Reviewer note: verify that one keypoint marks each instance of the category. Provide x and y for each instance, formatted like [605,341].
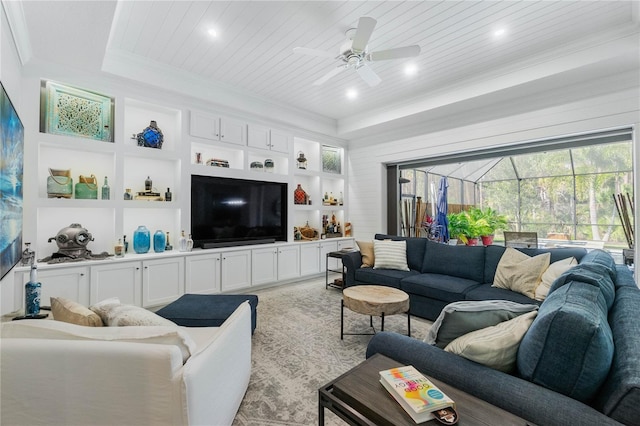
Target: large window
[562,190]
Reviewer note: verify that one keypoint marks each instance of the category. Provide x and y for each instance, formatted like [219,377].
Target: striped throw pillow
[390,255]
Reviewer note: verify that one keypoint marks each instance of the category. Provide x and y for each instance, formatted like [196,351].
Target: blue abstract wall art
[11,169]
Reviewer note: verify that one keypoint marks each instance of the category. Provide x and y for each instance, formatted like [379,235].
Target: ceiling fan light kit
[354,55]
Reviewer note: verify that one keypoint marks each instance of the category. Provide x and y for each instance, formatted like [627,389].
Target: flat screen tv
[228,212]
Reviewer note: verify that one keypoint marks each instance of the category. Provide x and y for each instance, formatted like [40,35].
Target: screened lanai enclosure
[568,191]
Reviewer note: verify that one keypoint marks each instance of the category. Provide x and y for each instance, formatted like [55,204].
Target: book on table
[419,397]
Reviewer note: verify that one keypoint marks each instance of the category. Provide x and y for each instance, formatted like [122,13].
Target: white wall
[10,77]
[367,181]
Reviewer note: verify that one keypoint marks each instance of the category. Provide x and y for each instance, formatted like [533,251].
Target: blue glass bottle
[141,240]
[159,241]
[32,294]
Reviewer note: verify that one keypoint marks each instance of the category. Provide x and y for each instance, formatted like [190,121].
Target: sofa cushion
[495,346]
[388,277]
[569,347]
[439,287]
[552,273]
[70,311]
[415,249]
[38,329]
[456,261]
[486,292]
[494,253]
[366,250]
[588,273]
[619,396]
[519,272]
[460,318]
[390,255]
[601,257]
[115,314]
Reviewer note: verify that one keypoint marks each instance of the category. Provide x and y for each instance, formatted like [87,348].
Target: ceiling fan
[354,54]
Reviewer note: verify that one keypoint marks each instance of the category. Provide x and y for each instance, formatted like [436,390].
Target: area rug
[297,349]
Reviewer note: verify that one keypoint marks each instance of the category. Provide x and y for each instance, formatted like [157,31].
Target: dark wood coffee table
[358,398]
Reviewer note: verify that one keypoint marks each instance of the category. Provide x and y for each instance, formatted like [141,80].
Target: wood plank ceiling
[253,50]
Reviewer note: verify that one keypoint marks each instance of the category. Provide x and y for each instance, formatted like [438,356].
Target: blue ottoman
[207,310]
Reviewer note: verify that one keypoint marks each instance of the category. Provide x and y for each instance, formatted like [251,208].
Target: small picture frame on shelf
[70,111]
[331,159]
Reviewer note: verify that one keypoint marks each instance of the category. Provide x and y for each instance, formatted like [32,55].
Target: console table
[358,398]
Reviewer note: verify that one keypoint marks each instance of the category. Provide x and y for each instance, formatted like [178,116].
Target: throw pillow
[113,313]
[70,311]
[459,318]
[366,250]
[519,272]
[551,274]
[390,255]
[66,331]
[496,346]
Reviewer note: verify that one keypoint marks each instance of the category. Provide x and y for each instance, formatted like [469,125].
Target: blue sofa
[578,364]
[441,274]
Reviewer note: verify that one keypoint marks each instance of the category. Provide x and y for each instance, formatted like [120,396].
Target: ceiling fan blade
[363,33]
[397,53]
[330,74]
[368,75]
[313,52]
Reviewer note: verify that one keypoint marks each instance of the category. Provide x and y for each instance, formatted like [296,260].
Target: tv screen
[227,211]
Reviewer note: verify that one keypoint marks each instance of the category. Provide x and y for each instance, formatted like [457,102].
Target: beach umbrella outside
[442,207]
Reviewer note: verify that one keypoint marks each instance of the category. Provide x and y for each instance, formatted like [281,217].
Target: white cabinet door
[288,262]
[162,280]
[121,280]
[202,273]
[236,270]
[327,247]
[233,131]
[264,266]
[204,125]
[258,136]
[279,141]
[310,259]
[69,283]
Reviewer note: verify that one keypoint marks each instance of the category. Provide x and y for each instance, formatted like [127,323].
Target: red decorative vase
[299,195]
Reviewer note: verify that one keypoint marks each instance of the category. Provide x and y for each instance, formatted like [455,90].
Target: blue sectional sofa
[440,274]
[578,363]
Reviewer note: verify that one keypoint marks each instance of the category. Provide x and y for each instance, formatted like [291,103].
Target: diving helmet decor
[72,245]
[301,161]
[151,137]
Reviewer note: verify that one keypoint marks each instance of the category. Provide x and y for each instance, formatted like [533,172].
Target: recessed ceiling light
[411,69]
[499,32]
[212,32]
[352,94]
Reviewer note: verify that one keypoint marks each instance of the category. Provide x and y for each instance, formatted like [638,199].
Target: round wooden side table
[374,300]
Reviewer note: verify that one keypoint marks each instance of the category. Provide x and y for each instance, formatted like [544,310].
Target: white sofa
[54,381]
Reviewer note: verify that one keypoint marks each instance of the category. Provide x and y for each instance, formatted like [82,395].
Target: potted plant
[458,227]
[476,226]
[487,221]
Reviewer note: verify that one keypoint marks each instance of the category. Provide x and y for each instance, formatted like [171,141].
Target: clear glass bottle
[106,191]
[182,242]
[118,249]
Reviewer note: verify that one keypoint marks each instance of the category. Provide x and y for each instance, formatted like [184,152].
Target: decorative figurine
[301,161]
[72,246]
[151,137]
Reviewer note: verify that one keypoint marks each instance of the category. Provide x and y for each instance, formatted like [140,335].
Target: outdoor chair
[521,239]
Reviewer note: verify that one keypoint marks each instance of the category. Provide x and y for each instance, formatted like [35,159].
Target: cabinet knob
[222,136]
[137,268]
[82,274]
[146,267]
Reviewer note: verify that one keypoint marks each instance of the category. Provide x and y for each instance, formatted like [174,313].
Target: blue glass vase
[141,240]
[159,241]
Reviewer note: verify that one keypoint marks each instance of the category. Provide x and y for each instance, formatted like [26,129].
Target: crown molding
[18,27]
